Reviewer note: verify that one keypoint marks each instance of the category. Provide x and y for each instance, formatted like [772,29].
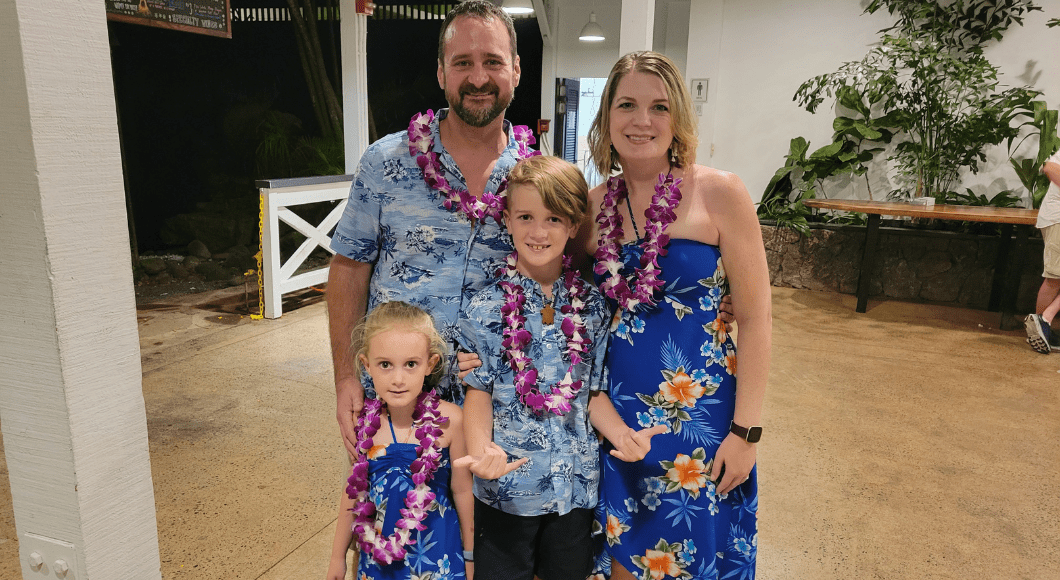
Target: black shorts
[551,546]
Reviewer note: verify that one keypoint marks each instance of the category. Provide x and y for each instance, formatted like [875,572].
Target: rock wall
[911,264]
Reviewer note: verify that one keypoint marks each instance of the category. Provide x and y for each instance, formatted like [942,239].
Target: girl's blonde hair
[561,184]
[391,315]
[682,119]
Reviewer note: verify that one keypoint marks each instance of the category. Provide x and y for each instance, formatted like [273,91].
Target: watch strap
[749,434]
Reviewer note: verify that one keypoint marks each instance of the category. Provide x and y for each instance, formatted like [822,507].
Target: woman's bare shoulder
[717,179]
[596,195]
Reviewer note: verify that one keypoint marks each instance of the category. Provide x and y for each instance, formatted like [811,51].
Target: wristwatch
[748,434]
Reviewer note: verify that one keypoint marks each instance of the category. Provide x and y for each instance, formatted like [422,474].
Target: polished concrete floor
[912,441]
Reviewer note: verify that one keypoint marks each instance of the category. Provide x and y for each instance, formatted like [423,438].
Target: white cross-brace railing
[277,196]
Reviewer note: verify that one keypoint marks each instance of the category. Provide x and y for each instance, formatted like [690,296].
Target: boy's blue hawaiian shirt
[564,468]
[423,253]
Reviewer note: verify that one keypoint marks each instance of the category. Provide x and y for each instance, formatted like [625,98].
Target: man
[396,239]
[1039,333]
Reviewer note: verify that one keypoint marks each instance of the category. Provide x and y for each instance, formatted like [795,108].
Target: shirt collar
[532,288]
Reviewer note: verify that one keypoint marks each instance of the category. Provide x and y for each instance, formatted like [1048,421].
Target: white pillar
[353,31]
[704,54]
[549,55]
[71,404]
[638,26]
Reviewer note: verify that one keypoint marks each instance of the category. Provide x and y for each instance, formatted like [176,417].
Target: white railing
[277,196]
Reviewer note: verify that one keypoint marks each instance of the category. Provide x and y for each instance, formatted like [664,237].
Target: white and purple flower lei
[516,337]
[388,549]
[421,145]
[659,215]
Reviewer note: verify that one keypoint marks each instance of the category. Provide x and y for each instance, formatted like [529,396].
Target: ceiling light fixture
[591,32]
[518,7]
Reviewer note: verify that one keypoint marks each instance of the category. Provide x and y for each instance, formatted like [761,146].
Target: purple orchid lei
[421,146]
[516,337]
[388,549]
[659,215]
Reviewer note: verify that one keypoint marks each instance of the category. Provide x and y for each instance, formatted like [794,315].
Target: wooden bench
[1003,289]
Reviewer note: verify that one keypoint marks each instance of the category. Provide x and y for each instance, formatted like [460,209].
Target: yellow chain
[261,249]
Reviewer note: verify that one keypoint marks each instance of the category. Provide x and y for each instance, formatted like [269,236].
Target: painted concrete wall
[71,406]
[671,31]
[576,59]
[756,53]
[769,47]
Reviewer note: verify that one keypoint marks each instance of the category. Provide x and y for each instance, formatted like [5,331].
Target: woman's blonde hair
[400,315]
[562,186]
[682,119]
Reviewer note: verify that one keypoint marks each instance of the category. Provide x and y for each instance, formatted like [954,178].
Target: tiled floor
[911,441]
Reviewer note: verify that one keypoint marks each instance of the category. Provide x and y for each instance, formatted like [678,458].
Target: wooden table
[1003,289]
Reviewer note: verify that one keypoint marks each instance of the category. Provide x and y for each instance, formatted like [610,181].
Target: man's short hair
[476,9]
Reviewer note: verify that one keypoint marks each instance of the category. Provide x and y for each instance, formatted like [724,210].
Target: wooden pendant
[548,314]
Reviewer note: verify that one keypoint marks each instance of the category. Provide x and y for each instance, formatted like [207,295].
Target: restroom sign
[699,90]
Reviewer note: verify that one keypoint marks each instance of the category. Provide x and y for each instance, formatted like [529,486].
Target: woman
[689,508]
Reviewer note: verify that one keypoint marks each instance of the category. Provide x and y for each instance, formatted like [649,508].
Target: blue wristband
[469,555]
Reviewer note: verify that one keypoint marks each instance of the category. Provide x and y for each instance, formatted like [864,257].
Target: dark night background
[191,106]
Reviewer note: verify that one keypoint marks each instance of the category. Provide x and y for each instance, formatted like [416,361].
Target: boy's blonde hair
[393,315]
[562,186]
[683,122]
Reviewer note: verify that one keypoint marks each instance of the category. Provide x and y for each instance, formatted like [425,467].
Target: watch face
[754,434]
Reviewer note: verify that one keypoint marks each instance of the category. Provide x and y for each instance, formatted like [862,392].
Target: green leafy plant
[925,93]
[283,151]
[1001,199]
[1043,122]
[782,202]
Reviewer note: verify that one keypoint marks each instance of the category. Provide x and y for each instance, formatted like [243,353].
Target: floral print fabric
[564,468]
[423,253]
[438,553]
[674,364]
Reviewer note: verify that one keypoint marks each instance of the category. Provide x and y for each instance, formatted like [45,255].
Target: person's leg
[504,544]
[1039,333]
[1049,299]
[566,546]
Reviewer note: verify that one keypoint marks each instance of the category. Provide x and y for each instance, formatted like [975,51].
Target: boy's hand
[468,361]
[634,445]
[725,312]
[492,464]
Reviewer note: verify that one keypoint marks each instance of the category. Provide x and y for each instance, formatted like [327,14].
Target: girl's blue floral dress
[438,551]
[674,364]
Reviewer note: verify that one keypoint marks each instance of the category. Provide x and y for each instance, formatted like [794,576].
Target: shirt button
[548,346]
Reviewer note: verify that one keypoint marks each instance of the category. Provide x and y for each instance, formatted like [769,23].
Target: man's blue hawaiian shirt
[564,468]
[422,253]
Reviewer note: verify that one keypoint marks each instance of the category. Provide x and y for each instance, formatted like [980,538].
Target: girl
[398,504]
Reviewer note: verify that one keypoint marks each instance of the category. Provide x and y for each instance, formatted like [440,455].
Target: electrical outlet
[48,558]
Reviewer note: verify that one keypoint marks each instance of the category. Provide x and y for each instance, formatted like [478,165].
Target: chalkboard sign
[213,17]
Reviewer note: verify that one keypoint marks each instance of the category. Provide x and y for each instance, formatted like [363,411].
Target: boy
[541,334]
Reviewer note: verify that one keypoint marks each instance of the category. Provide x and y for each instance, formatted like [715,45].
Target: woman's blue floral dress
[438,551]
[674,364]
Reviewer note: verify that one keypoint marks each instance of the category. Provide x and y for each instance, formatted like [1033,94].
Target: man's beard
[478,117]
